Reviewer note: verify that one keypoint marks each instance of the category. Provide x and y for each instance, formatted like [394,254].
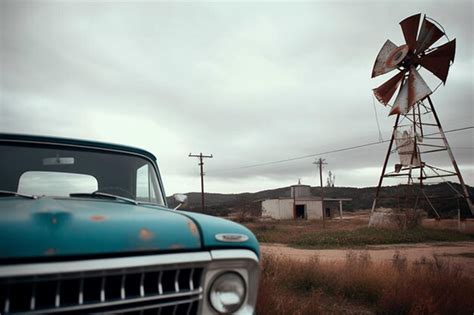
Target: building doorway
[300,211]
[327,212]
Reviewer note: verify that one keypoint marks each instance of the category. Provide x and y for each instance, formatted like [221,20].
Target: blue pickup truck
[85,228]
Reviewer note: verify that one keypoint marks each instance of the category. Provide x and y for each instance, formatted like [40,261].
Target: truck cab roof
[6,137]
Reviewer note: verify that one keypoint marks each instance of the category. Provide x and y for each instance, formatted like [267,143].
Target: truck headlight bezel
[226,287]
[243,262]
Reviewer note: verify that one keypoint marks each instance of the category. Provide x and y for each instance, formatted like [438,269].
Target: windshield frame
[89,146]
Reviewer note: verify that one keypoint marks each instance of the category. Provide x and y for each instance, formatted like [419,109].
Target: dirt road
[460,253]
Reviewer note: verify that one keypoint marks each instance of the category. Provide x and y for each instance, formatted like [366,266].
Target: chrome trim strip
[33,297]
[233,254]
[57,297]
[161,306]
[190,306]
[98,264]
[127,309]
[6,307]
[160,286]
[194,295]
[122,286]
[191,283]
[102,289]
[176,281]
[142,288]
[81,290]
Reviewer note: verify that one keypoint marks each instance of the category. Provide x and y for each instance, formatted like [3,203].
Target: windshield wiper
[98,194]
[5,193]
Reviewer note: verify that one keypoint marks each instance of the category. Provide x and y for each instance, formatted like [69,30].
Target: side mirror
[180,198]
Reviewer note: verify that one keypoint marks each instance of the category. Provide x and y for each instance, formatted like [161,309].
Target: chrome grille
[142,290]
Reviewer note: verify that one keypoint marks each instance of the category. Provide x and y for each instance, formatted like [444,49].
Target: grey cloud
[249,82]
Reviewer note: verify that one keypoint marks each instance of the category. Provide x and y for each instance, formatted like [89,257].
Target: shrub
[358,285]
[375,236]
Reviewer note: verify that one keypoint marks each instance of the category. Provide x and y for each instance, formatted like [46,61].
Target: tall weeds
[429,286]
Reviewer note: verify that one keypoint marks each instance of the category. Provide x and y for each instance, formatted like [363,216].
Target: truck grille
[143,290]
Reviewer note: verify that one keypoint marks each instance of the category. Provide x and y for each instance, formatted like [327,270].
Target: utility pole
[320,162]
[201,164]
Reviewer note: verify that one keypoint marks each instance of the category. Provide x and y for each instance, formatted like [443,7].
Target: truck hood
[212,226]
[69,227]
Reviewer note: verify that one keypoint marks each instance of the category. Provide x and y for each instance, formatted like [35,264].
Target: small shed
[290,208]
[302,205]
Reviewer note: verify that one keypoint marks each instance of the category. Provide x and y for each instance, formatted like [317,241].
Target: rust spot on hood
[193,228]
[176,246]
[145,234]
[97,218]
[50,252]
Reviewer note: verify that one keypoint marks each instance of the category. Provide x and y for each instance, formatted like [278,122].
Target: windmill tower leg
[453,160]
[387,157]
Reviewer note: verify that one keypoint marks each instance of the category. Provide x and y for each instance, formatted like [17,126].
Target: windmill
[417,132]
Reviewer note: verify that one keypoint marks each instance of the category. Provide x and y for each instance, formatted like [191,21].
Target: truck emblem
[232,237]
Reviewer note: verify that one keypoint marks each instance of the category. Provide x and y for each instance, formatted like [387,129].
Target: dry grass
[286,231]
[466,225]
[349,233]
[365,236]
[357,286]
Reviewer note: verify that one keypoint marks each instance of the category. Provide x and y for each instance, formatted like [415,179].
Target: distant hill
[441,196]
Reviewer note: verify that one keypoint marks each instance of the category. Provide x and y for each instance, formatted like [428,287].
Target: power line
[326,152]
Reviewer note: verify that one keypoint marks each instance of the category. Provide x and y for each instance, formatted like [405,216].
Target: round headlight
[227,293]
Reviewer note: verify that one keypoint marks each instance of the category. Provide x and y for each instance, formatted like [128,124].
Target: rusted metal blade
[384,93]
[380,66]
[439,60]
[410,30]
[429,34]
[414,89]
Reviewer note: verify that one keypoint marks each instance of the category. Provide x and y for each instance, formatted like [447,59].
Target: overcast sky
[249,82]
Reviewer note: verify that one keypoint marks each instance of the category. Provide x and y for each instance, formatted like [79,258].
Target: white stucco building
[301,205]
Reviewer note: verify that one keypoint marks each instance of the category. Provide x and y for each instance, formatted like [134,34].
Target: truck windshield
[61,171]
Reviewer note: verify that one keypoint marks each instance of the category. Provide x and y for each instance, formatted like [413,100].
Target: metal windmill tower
[417,133]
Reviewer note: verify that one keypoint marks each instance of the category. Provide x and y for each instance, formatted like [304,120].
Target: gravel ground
[459,253]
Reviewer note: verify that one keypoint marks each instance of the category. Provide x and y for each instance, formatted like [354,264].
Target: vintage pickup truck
[85,228]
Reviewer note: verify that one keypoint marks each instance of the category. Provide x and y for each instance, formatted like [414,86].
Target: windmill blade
[429,34]
[410,30]
[413,90]
[384,93]
[380,66]
[439,60]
